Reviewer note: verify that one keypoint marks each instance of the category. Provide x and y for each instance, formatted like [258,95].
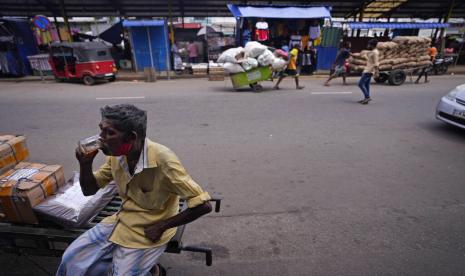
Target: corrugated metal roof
[358,25]
[210,8]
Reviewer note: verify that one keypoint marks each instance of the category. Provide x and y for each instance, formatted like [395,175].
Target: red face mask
[124,149]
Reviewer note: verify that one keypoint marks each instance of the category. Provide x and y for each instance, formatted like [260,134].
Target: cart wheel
[58,79]
[88,80]
[257,88]
[397,77]
[112,79]
[382,78]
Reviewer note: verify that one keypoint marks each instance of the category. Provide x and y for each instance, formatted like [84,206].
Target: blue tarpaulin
[296,12]
[362,25]
[143,23]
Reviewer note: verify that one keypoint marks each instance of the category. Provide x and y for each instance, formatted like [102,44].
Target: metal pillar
[65,17]
[446,19]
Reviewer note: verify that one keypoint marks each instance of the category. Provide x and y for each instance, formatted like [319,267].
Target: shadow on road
[444,130]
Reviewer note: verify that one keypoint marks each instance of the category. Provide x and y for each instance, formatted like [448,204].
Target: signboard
[41,22]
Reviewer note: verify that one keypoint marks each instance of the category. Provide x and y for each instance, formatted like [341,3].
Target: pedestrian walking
[291,69]
[432,51]
[193,51]
[338,68]
[372,69]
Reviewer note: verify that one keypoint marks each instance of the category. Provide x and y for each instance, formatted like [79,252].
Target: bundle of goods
[25,186]
[200,69]
[253,55]
[70,208]
[403,52]
[13,150]
[215,72]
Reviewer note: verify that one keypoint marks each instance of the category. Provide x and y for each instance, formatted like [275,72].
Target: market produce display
[403,52]
[253,55]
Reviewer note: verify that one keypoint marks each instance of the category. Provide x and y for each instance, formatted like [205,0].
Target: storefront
[285,26]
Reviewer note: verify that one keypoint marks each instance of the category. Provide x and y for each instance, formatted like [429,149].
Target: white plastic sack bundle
[249,64]
[70,208]
[279,64]
[266,58]
[230,55]
[232,68]
[253,49]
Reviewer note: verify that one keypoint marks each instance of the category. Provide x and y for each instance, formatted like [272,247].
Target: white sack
[230,55]
[70,208]
[253,49]
[249,64]
[232,68]
[279,64]
[266,58]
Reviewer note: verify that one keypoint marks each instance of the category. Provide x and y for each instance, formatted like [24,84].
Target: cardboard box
[25,186]
[13,150]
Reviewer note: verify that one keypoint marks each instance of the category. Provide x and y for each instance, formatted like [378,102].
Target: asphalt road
[313,182]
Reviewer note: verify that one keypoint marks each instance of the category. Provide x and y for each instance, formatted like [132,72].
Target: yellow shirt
[293,59]
[150,195]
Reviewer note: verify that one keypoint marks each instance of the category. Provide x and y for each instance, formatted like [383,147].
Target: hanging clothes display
[246,36]
[314,32]
[295,39]
[262,32]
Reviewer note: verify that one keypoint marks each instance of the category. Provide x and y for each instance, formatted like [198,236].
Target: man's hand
[83,158]
[155,231]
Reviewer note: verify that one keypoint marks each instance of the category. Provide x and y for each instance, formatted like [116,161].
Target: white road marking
[330,93]
[120,98]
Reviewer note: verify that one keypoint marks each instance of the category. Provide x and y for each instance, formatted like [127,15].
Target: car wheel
[397,77]
[88,80]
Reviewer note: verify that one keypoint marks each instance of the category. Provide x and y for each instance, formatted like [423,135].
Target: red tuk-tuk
[86,61]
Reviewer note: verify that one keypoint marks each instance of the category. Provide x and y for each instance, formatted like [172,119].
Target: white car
[451,107]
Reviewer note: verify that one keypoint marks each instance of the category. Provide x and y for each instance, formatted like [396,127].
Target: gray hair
[126,118]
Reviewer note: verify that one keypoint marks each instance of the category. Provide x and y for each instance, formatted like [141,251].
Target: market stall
[282,27]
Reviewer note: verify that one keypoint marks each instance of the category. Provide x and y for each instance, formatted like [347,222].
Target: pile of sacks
[403,52]
[254,54]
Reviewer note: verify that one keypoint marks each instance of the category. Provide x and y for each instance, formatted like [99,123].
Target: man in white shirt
[372,69]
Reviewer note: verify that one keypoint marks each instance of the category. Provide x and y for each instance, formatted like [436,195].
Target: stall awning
[143,23]
[361,25]
[295,12]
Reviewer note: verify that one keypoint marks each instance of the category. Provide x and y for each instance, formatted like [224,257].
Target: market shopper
[432,52]
[291,69]
[372,69]
[338,67]
[193,52]
[150,180]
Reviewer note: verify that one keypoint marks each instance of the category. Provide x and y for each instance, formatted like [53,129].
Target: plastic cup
[90,144]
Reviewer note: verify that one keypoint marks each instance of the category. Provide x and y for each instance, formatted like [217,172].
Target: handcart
[50,239]
[251,78]
[398,76]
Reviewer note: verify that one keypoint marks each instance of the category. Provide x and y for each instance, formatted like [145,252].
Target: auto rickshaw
[86,61]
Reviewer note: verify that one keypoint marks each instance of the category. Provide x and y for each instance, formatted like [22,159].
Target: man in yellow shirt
[150,180]
[291,69]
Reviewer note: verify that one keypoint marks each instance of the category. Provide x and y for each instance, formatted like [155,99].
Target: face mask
[124,149]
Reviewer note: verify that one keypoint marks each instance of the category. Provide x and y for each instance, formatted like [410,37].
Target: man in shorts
[339,64]
[291,69]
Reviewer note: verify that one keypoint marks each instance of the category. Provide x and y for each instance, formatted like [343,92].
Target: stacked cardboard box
[13,150]
[25,186]
[200,69]
[216,73]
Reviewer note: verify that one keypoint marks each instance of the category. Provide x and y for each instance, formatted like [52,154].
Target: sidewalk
[139,76]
